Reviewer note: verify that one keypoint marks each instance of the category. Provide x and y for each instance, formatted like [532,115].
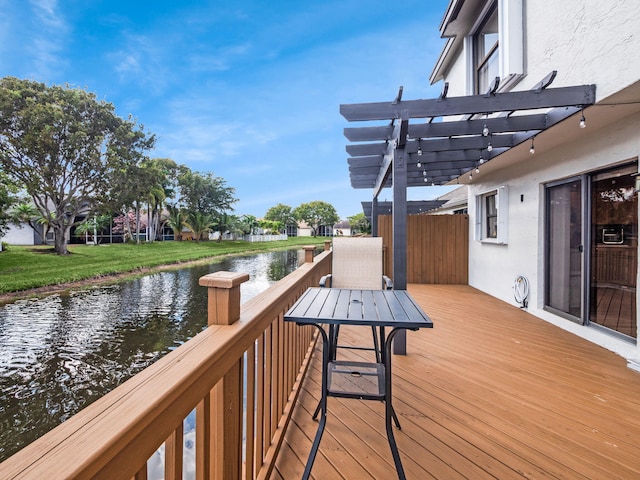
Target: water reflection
[60,353]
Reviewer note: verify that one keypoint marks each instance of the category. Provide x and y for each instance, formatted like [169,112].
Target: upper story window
[494,47]
[486,52]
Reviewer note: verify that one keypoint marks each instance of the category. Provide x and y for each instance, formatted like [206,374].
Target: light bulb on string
[419,147]
[532,150]
[485,129]
[419,165]
[583,121]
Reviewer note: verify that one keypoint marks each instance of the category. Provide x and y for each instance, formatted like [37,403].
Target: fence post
[224,416]
[327,245]
[308,253]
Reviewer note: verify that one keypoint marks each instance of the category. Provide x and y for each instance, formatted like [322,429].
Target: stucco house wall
[19,235]
[586,42]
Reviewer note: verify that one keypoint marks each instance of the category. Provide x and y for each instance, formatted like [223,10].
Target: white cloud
[219,60]
[46,12]
[48,36]
[142,62]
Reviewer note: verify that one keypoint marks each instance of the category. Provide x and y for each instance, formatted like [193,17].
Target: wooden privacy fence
[241,375]
[437,248]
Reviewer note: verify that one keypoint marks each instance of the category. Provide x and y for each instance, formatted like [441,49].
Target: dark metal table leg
[383,356]
[322,406]
[388,407]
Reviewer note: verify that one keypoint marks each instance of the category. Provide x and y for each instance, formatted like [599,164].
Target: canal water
[62,352]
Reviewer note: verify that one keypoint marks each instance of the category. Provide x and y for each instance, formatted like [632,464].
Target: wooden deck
[490,392]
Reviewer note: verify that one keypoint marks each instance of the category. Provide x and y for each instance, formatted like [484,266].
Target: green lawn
[22,268]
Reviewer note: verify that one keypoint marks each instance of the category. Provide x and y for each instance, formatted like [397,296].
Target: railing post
[223,306]
[308,253]
[327,245]
[225,408]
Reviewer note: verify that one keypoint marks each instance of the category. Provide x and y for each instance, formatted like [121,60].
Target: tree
[160,174]
[223,224]
[248,224]
[316,214]
[7,199]
[199,223]
[26,212]
[94,226]
[204,193]
[176,220]
[281,214]
[271,226]
[359,223]
[61,143]
[126,224]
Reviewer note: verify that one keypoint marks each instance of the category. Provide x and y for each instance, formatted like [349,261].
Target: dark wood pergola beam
[538,121]
[578,96]
[442,144]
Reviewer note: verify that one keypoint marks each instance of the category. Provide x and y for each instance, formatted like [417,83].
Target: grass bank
[25,268]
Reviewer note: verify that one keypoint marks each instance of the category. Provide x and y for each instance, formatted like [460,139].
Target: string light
[485,129]
[419,164]
[419,147]
[583,121]
[532,150]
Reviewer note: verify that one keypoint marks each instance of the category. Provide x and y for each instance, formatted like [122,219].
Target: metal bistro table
[367,381]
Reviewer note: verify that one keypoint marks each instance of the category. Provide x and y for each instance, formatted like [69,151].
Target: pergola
[436,141]
[414,207]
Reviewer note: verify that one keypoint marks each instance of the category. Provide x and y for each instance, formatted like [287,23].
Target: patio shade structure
[435,141]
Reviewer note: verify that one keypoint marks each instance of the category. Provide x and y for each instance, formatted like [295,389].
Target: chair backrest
[357,263]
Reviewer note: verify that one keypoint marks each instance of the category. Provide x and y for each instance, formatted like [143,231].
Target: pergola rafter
[434,141]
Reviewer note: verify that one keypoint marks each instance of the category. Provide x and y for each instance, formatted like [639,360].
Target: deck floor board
[489,392]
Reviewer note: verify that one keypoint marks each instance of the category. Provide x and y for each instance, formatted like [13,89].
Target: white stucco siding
[587,42]
[493,268]
[456,76]
[18,235]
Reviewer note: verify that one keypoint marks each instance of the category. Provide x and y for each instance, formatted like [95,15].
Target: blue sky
[248,90]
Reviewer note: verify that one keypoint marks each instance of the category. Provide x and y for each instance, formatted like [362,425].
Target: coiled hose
[521,290]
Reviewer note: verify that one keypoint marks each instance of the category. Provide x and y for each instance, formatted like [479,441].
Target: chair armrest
[326,281]
[387,283]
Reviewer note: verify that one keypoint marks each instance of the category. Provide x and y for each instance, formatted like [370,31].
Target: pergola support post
[399,220]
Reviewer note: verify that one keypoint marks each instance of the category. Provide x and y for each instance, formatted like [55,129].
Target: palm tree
[199,223]
[29,214]
[176,221]
[94,226]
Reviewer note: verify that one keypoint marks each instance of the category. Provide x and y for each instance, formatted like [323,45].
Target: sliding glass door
[563,292]
[614,250]
[592,249]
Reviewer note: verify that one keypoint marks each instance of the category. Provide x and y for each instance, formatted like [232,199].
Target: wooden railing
[241,375]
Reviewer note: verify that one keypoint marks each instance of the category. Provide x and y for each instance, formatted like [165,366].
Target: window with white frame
[495,46]
[492,215]
[485,52]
